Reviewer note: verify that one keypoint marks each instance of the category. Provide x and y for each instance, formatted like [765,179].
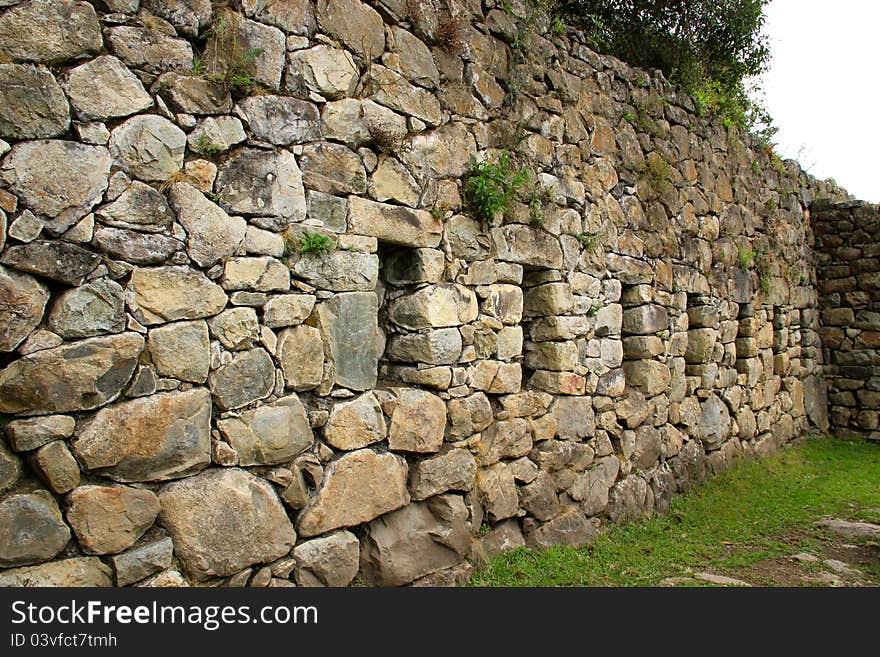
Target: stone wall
[848,254]
[189,398]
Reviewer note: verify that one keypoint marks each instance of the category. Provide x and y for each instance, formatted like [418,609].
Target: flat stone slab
[850,529]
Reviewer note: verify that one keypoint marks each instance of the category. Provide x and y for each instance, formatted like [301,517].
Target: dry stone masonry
[848,248]
[190,397]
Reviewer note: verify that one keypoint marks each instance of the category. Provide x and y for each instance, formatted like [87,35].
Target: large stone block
[349,327]
[394,224]
[434,306]
[49,31]
[248,377]
[166,294]
[109,519]
[356,423]
[331,560]
[263,183]
[417,422]
[649,376]
[223,521]
[32,103]
[645,320]
[417,540]
[358,487]
[527,246]
[31,529]
[22,302]
[79,376]
[300,352]
[169,342]
[270,434]
[66,573]
[164,436]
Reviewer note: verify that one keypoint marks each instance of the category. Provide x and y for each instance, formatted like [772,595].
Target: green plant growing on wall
[656,172]
[206,147]
[231,64]
[770,205]
[315,243]
[746,258]
[589,242]
[198,67]
[384,138]
[596,307]
[540,197]
[491,185]
[629,116]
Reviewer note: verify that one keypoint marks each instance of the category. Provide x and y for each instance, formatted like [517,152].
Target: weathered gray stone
[49,31]
[418,421]
[414,59]
[59,179]
[355,424]
[645,320]
[434,306]
[263,242]
[280,120]
[26,227]
[440,347]
[109,519]
[455,469]
[249,377]
[39,340]
[135,247]
[569,528]
[10,468]
[29,434]
[263,183]
[496,378]
[215,135]
[140,207]
[104,88]
[850,529]
[212,235]
[55,465]
[151,50]
[349,327]
[649,376]
[469,415]
[292,16]
[256,274]
[74,377]
[497,492]
[539,497]
[92,309]
[816,401]
[323,71]
[331,560]
[591,488]
[194,95]
[647,447]
[168,343]
[247,48]
[148,147]
[358,26]
[31,529]
[301,355]
[270,434]
[504,439]
[22,302]
[527,246]
[391,181]
[630,499]
[189,17]
[142,561]
[575,419]
[287,310]
[359,122]
[224,520]
[32,103]
[60,261]
[67,573]
[339,271]
[714,426]
[164,436]
[503,537]
[236,328]
[394,224]
[389,88]
[167,294]
[419,539]
[358,487]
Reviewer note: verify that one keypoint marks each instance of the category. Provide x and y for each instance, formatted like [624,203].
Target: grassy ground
[745,524]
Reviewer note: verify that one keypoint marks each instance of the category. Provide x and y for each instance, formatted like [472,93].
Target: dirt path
[837,553]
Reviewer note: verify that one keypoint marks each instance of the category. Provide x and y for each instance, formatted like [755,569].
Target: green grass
[730,523]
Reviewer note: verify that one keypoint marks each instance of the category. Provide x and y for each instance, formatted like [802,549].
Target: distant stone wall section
[848,255]
[189,398]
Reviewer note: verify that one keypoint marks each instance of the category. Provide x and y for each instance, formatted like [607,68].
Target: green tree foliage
[710,47]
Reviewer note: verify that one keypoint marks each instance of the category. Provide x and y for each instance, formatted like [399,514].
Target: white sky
[823,89]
